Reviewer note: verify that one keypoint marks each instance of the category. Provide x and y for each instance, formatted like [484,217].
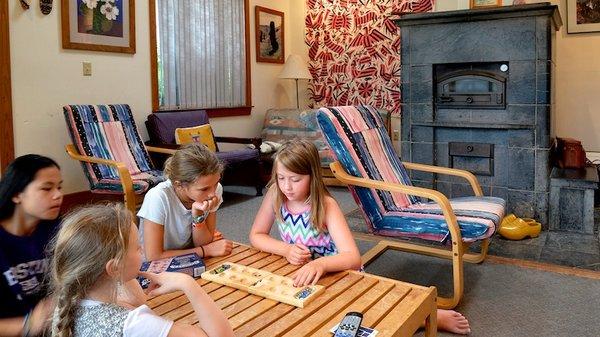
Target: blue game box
[191,264]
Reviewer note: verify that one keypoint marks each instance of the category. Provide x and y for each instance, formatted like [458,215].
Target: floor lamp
[295,68]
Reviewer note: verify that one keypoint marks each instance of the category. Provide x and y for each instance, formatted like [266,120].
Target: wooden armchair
[242,166]
[392,207]
[108,146]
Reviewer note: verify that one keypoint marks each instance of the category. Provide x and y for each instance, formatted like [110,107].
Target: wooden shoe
[519,229]
[508,218]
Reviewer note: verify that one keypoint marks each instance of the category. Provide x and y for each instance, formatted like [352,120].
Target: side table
[572,199]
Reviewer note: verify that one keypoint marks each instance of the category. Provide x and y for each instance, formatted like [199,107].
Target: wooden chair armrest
[439,198]
[124,175]
[256,141]
[160,149]
[470,177]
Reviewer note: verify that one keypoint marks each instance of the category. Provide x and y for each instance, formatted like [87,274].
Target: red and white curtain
[354,51]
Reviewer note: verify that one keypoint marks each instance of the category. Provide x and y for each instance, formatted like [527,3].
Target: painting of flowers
[100,17]
[583,16]
[102,25]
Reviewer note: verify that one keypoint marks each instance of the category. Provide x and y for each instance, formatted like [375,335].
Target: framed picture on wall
[101,25]
[583,16]
[484,3]
[270,46]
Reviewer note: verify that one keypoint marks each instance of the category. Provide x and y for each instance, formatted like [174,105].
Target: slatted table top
[392,307]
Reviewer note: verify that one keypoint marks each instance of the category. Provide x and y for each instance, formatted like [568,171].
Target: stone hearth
[477,95]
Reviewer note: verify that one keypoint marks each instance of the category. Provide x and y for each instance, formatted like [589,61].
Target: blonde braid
[66,306]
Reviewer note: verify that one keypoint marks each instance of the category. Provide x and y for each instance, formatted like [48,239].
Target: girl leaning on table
[30,200]
[96,258]
[312,227]
[178,216]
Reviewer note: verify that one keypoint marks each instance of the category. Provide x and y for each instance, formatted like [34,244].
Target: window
[200,56]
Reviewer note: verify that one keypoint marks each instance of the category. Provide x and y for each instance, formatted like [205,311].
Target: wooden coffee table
[391,307]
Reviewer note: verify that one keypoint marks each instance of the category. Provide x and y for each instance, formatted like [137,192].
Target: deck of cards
[190,264]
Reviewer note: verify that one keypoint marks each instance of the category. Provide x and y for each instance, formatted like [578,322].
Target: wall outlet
[395,135]
[87,68]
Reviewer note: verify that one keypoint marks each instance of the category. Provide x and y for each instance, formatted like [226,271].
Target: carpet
[500,299]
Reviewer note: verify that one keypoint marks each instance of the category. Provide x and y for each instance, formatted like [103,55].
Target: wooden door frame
[7,141]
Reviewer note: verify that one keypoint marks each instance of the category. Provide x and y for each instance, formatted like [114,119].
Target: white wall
[45,77]
[577,79]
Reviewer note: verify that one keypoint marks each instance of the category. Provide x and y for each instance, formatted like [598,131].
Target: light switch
[87,68]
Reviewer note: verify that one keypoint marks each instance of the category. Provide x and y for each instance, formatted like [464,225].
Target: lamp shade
[295,68]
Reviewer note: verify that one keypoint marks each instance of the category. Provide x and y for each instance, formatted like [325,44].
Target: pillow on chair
[196,134]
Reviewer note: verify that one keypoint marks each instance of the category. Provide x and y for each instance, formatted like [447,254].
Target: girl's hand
[201,207]
[167,282]
[298,254]
[218,248]
[310,273]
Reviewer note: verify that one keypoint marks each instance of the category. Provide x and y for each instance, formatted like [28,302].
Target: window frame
[7,141]
[212,112]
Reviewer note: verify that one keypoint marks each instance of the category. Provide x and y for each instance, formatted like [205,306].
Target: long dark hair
[18,175]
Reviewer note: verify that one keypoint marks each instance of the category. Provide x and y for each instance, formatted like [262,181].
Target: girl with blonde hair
[313,230]
[95,254]
[178,216]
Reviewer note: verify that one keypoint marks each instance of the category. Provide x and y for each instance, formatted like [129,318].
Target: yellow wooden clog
[518,229]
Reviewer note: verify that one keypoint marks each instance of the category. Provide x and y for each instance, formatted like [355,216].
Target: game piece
[349,325]
[190,264]
[263,283]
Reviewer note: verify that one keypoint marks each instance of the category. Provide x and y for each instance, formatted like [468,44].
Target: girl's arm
[259,234]
[211,320]
[348,256]
[154,246]
[12,327]
[204,232]
[38,320]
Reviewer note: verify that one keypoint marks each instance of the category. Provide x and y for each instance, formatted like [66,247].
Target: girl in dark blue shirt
[30,200]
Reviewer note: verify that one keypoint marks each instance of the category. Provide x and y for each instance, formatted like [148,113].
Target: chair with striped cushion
[392,206]
[114,158]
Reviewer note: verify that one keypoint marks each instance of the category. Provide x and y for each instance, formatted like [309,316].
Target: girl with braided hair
[96,258]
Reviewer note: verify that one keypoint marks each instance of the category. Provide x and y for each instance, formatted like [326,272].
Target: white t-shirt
[140,322]
[162,206]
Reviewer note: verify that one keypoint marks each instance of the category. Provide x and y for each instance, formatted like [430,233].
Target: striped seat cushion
[361,143]
[109,132]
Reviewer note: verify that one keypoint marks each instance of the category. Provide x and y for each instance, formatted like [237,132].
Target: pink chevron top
[297,228]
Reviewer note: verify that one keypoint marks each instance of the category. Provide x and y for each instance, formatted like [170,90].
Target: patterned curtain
[354,51]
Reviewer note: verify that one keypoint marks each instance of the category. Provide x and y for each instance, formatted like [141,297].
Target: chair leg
[456,255]
[458,281]
[478,257]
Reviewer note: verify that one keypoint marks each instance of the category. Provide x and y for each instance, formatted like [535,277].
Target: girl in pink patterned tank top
[314,232]
[313,229]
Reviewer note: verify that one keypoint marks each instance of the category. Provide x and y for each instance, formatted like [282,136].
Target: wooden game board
[263,283]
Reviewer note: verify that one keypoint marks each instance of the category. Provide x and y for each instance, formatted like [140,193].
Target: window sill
[219,112]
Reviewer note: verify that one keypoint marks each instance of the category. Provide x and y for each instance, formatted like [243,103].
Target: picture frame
[484,3]
[269,34]
[582,17]
[108,27]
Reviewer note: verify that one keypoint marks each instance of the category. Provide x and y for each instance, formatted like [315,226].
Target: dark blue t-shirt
[23,269]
